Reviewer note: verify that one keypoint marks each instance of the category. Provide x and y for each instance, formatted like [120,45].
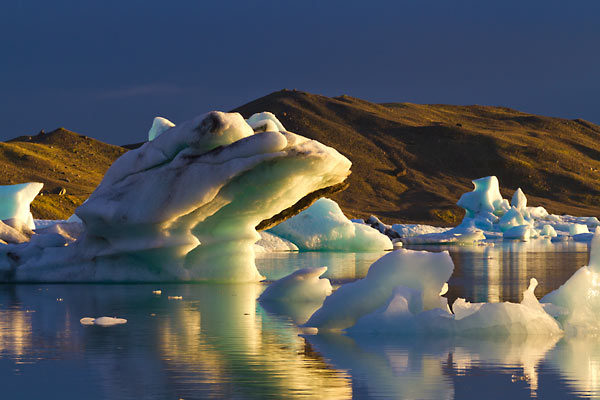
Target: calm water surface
[218,342]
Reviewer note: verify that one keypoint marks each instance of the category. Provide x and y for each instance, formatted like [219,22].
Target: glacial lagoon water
[216,341]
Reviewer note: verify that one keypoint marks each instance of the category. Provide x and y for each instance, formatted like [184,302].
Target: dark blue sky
[106,68]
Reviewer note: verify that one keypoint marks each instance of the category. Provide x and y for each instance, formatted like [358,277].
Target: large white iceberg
[185,206]
[15,201]
[323,226]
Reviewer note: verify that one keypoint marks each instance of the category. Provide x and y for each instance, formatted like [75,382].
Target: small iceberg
[102,321]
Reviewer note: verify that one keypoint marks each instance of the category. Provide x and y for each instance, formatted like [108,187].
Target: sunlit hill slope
[411,162]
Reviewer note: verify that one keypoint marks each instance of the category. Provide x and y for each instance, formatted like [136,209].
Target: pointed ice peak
[519,201]
[159,125]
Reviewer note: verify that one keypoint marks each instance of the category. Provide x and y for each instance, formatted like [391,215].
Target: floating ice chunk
[102,321]
[419,270]
[580,294]
[323,226]
[548,230]
[297,295]
[265,121]
[522,232]
[303,285]
[576,229]
[402,315]
[159,125]
[15,201]
[269,243]
[525,318]
[485,197]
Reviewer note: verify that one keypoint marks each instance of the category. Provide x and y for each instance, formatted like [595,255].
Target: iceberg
[402,295]
[15,201]
[489,216]
[186,206]
[323,226]
[577,302]
[417,270]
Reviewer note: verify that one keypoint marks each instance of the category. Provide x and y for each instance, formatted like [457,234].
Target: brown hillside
[412,162]
[58,159]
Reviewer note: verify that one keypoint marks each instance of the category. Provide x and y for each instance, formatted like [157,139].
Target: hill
[411,162]
[61,160]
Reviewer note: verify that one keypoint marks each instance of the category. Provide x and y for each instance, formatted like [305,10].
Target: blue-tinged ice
[323,226]
[16,199]
[159,125]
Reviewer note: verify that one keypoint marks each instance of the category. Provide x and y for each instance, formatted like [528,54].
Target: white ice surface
[303,285]
[102,321]
[159,125]
[323,226]
[419,270]
[269,243]
[16,199]
[579,296]
[403,315]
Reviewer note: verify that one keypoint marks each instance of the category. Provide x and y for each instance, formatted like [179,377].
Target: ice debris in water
[102,321]
[15,201]
[323,226]
[185,206]
[303,285]
[402,294]
[577,302]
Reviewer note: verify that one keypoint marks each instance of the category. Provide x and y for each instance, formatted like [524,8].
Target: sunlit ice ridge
[184,206]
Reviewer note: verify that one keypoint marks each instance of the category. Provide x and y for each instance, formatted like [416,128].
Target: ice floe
[102,321]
